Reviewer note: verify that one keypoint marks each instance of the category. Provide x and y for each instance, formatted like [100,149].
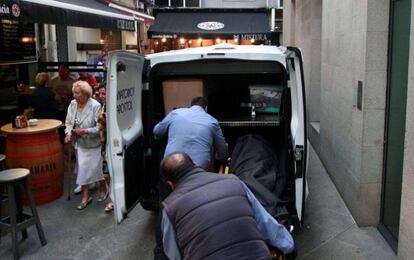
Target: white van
[229,74]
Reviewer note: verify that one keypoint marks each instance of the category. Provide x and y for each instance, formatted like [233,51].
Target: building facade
[87,44]
[358,67]
[33,32]
[239,21]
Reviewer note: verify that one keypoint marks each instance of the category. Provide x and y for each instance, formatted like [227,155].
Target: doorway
[399,41]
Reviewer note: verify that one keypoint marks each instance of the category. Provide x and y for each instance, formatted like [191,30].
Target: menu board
[17,42]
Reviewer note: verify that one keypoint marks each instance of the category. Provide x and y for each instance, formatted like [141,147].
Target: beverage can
[18,122]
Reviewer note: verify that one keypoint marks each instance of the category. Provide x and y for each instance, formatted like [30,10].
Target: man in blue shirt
[193,131]
[215,216]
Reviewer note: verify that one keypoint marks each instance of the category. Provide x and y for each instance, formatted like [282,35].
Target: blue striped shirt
[194,132]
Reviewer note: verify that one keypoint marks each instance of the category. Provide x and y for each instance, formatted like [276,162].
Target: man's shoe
[78,189]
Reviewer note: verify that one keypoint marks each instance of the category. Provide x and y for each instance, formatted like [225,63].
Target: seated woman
[83,131]
[43,98]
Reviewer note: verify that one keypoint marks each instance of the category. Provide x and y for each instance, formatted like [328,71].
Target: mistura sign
[251,36]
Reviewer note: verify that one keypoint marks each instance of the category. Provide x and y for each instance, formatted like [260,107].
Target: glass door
[395,127]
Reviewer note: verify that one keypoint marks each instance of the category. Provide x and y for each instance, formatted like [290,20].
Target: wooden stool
[19,221]
[2,162]
[2,188]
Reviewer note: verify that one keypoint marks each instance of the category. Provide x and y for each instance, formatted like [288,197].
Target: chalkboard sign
[17,42]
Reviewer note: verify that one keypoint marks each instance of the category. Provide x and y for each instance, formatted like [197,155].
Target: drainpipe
[52,44]
[46,43]
[37,37]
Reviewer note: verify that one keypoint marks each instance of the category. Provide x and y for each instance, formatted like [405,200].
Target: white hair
[83,86]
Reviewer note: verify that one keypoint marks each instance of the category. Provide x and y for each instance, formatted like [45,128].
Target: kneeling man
[214,216]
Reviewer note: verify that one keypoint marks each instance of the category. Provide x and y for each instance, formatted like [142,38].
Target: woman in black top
[43,98]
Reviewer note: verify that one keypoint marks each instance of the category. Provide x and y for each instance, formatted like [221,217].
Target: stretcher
[276,254]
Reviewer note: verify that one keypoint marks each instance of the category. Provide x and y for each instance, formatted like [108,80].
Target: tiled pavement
[88,234]
[329,232]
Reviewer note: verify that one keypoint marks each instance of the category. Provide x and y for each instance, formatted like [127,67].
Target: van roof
[222,51]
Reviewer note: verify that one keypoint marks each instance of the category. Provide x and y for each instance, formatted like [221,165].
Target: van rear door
[125,137]
[298,126]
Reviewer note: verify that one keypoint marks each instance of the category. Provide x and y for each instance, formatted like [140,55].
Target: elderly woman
[83,131]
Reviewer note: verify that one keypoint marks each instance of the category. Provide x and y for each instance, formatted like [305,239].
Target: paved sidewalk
[330,232]
[88,234]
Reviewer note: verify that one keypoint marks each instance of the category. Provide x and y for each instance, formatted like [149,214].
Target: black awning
[81,13]
[210,24]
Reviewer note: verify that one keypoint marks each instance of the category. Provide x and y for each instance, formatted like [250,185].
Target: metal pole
[52,46]
[69,169]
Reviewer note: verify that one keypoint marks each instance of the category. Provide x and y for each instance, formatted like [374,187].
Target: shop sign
[210,26]
[9,9]
[126,25]
[248,37]
[166,36]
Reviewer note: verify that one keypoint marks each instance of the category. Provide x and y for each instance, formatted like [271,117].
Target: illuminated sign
[210,26]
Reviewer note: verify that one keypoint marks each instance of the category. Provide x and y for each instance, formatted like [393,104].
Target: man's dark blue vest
[213,219]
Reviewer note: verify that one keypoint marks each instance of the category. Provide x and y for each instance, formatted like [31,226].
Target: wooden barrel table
[37,148]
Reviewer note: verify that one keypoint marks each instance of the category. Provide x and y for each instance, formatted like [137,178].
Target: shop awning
[81,13]
[139,16]
[211,23]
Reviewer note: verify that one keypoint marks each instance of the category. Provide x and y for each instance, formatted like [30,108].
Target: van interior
[227,86]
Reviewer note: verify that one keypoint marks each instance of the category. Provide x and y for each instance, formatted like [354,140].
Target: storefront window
[177,3]
[111,39]
[192,3]
[161,3]
[10,76]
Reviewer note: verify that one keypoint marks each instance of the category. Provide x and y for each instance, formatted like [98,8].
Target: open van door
[298,126]
[125,151]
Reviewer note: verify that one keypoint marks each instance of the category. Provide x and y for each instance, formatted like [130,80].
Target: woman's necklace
[81,107]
